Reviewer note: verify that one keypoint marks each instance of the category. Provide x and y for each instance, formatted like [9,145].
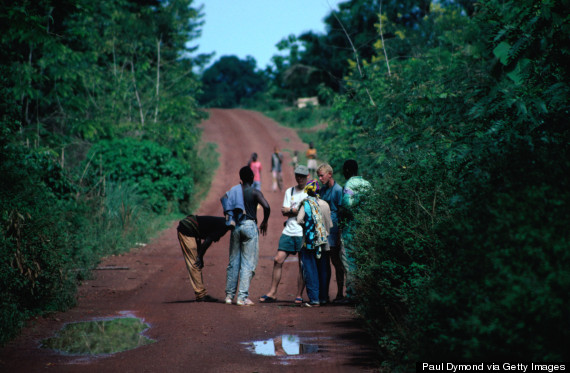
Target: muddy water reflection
[283,345]
[99,337]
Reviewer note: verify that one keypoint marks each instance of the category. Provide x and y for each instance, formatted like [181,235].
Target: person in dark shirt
[196,234]
[244,241]
[331,192]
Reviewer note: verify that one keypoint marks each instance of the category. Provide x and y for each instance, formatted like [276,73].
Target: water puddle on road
[283,345]
[100,337]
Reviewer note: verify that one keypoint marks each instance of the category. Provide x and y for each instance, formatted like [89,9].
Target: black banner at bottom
[491,367]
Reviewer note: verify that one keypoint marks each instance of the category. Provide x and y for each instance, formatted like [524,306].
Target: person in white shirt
[291,239]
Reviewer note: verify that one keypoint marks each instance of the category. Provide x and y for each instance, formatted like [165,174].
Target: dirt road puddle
[283,345]
[101,337]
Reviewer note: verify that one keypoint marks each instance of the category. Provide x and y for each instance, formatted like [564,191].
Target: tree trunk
[158,42]
[137,93]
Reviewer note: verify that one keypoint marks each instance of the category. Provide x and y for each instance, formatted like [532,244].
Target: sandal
[267,299]
[298,300]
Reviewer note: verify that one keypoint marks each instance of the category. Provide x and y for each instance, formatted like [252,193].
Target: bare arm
[259,198]
[301,215]
[201,251]
[202,246]
[289,212]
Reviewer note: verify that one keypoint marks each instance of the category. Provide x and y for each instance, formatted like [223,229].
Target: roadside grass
[307,122]
[209,155]
[304,118]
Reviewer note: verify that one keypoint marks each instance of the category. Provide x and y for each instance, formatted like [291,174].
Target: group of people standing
[312,230]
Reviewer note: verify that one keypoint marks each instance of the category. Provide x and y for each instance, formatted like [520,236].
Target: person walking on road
[196,234]
[295,159]
[311,155]
[255,166]
[244,240]
[331,192]
[276,169]
[291,238]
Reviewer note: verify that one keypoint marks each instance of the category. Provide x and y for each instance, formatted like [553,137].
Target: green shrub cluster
[306,117]
[35,247]
[152,170]
[55,230]
[76,85]
[503,280]
[461,250]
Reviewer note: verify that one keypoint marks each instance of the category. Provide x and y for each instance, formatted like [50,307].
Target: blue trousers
[324,273]
[244,253]
[310,274]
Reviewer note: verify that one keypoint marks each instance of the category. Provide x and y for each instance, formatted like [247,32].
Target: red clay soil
[152,283]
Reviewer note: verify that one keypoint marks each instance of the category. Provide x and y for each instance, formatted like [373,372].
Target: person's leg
[189,251]
[309,267]
[234,264]
[277,271]
[280,180]
[274,186]
[249,248]
[348,262]
[338,270]
[298,246]
[300,281]
[324,271]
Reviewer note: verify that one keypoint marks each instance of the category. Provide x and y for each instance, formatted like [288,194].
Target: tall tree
[98,70]
[230,81]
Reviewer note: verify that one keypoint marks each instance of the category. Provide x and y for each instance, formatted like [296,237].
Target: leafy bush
[55,225]
[35,274]
[462,248]
[159,177]
[52,234]
[503,283]
[307,117]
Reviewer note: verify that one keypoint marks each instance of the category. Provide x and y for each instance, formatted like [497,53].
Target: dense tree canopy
[317,60]
[231,81]
[95,70]
[78,74]
[460,249]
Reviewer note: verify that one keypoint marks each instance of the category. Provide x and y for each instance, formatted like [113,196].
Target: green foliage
[53,234]
[231,81]
[505,283]
[35,274]
[159,177]
[461,250]
[314,59]
[73,73]
[93,71]
[303,118]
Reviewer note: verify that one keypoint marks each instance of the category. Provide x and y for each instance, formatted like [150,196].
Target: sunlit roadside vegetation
[99,140]
[461,249]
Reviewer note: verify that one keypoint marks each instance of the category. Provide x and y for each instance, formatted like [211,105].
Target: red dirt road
[205,337]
